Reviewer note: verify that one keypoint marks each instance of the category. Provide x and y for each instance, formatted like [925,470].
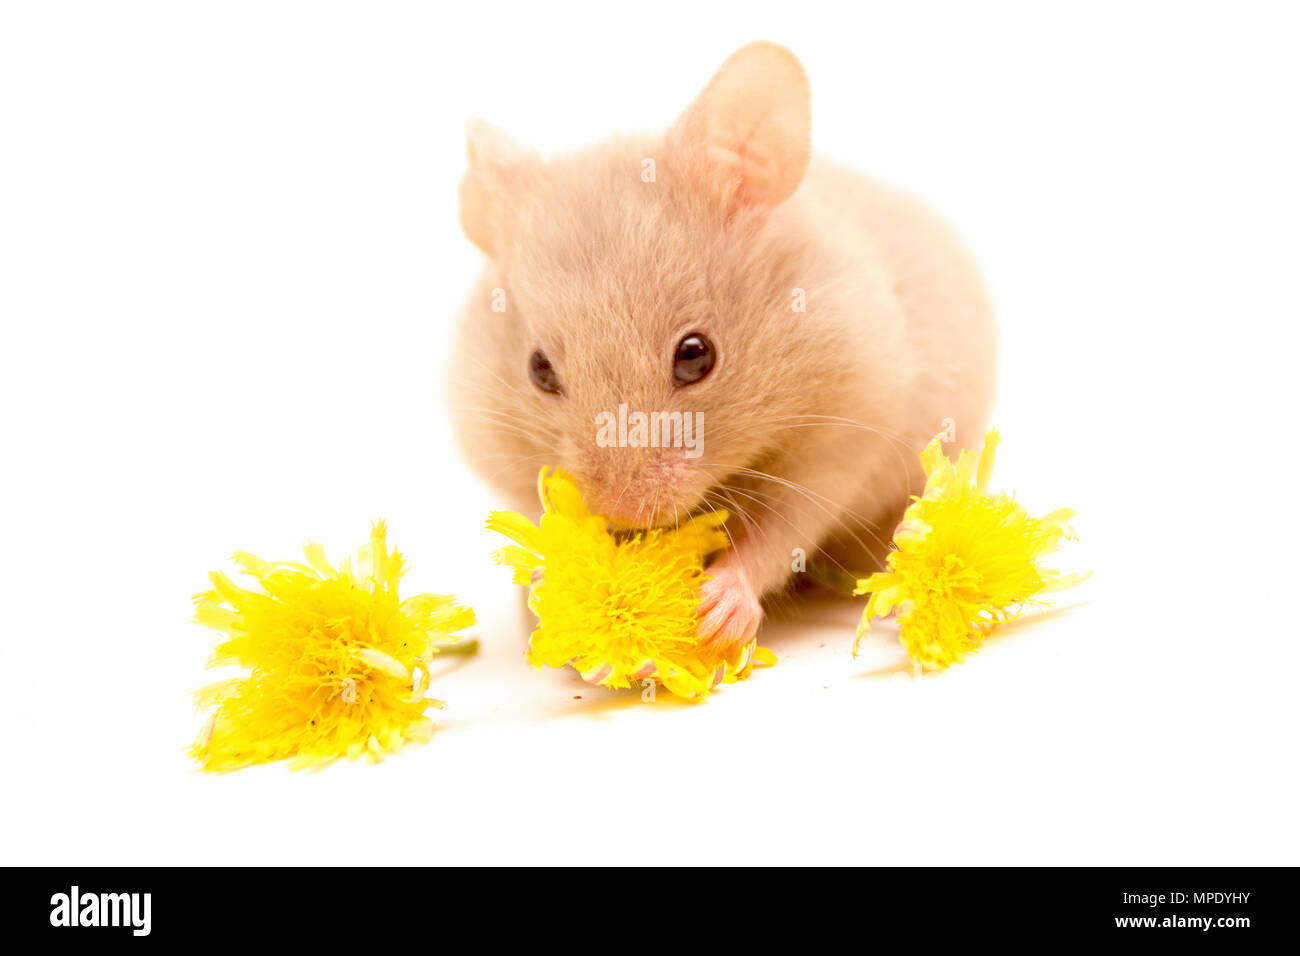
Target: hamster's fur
[813,420]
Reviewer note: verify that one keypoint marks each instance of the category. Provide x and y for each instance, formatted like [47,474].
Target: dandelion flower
[618,607]
[338,664]
[965,560]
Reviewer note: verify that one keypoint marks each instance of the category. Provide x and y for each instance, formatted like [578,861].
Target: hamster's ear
[747,138]
[499,171]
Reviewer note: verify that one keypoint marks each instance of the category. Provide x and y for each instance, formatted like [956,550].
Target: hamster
[811,328]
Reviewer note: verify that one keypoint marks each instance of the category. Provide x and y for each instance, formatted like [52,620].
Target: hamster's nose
[624,504]
[633,491]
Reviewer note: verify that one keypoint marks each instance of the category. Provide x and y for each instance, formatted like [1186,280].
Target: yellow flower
[619,607]
[965,562]
[338,664]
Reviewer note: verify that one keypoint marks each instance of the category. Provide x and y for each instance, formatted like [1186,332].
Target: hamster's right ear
[499,170]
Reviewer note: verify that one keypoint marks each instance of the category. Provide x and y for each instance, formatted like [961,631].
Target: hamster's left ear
[746,139]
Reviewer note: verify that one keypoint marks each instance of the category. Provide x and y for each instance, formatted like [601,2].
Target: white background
[229,257]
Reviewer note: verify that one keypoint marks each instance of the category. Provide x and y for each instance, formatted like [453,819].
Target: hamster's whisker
[512,425]
[848,528]
[736,509]
[515,387]
[743,470]
[515,458]
[838,420]
[503,415]
[514,462]
[871,527]
[617,501]
[748,520]
[731,543]
[777,514]
[898,445]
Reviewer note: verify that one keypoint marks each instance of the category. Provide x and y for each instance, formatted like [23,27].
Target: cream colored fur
[605,273]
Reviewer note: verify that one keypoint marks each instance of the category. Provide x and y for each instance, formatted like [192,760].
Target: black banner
[1178,906]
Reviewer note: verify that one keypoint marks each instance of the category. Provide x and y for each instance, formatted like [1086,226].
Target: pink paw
[729,609]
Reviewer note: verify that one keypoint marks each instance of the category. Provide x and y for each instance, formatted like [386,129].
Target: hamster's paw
[729,610]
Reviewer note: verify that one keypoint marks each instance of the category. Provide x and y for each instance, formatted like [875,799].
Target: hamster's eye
[543,373]
[694,359]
